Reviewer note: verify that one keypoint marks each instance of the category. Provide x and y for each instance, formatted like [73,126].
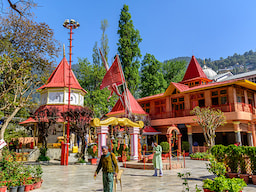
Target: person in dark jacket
[109,167]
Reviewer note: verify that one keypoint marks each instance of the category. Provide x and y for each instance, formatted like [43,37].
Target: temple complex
[235,97]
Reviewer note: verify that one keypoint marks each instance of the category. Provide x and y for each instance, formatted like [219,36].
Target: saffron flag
[113,76]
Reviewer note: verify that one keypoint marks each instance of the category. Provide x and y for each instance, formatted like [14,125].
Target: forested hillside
[236,63]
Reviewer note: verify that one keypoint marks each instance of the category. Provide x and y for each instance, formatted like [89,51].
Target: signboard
[2,143]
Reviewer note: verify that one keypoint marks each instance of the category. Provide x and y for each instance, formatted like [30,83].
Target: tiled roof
[181,87]
[194,70]
[211,85]
[151,97]
[60,77]
[135,107]
[242,75]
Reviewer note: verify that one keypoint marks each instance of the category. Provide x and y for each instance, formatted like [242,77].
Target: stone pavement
[79,178]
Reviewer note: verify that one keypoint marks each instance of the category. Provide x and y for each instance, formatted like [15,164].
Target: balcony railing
[231,107]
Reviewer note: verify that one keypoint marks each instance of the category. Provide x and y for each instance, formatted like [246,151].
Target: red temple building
[235,97]
[54,94]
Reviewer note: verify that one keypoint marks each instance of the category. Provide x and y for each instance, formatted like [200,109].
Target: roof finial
[64,55]
[204,65]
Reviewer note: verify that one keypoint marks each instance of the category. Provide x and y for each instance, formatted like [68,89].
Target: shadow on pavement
[140,175]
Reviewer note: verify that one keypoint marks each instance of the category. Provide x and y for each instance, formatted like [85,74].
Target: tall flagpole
[126,96]
[72,24]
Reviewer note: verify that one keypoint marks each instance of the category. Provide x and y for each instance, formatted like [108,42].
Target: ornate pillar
[169,139]
[253,134]
[249,135]
[235,98]
[190,138]
[246,96]
[134,132]
[102,140]
[208,100]
[179,145]
[237,132]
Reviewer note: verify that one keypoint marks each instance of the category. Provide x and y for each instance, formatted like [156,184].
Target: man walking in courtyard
[157,159]
[109,167]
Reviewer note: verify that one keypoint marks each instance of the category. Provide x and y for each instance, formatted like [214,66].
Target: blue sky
[168,28]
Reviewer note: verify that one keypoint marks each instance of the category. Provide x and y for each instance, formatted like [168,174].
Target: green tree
[128,49]
[209,120]
[96,56]
[173,71]
[29,40]
[80,123]
[104,39]
[46,118]
[90,77]
[27,51]
[152,79]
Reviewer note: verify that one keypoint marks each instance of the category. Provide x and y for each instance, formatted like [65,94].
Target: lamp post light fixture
[72,24]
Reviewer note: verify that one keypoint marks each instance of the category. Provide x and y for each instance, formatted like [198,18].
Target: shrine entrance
[174,139]
[133,129]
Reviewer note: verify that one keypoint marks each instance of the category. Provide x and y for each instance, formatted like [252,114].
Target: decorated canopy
[148,130]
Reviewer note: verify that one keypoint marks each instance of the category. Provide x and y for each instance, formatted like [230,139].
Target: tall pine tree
[104,39]
[152,79]
[173,71]
[128,49]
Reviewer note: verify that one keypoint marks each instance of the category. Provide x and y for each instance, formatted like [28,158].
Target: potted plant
[43,157]
[232,160]
[208,185]
[220,184]
[28,171]
[38,176]
[217,168]
[121,152]
[202,155]
[3,186]
[235,185]
[29,184]
[185,147]
[93,152]
[13,184]
[192,156]
[243,174]
[21,182]
[251,152]
[81,162]
[3,182]
[80,159]
[219,151]
[165,147]
[197,155]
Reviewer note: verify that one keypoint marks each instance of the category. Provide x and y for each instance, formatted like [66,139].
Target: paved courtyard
[76,178]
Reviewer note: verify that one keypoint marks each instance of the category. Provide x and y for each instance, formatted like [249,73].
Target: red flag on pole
[113,75]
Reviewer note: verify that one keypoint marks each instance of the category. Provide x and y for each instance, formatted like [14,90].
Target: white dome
[209,72]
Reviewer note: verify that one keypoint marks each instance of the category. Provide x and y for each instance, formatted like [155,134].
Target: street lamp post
[72,24]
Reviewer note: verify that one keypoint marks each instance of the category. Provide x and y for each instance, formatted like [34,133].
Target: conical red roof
[194,70]
[118,109]
[60,77]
